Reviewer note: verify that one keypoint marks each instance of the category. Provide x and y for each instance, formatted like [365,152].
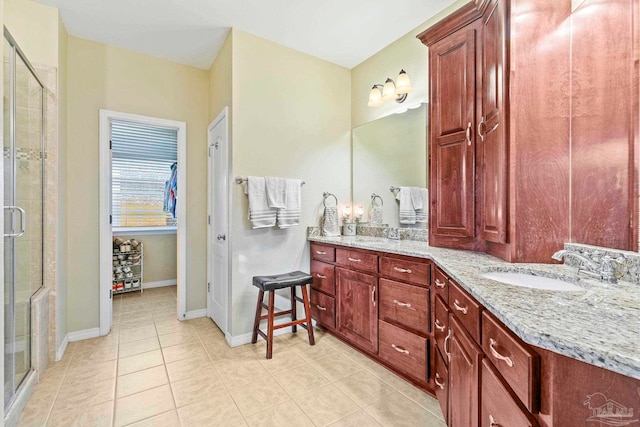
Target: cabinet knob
[438,383]
[445,345]
[320,276]
[439,326]
[439,284]
[402,270]
[373,296]
[321,253]
[505,359]
[354,259]
[468,134]
[319,307]
[399,349]
[402,304]
[457,306]
[492,422]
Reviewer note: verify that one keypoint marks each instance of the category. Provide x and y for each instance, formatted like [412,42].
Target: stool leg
[294,306]
[270,319]
[307,312]
[256,322]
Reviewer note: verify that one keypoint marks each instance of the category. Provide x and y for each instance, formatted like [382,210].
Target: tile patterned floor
[152,370]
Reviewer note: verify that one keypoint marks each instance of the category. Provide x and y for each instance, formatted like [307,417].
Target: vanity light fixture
[390,90]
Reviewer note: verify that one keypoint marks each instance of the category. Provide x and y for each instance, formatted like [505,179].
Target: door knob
[221,237]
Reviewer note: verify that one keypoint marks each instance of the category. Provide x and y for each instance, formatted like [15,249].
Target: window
[143,157]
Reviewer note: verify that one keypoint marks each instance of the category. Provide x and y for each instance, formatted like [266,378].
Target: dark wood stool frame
[271,315]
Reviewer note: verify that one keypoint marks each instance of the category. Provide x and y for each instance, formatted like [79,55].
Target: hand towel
[376,215]
[406,213]
[276,192]
[290,215]
[330,222]
[422,213]
[260,214]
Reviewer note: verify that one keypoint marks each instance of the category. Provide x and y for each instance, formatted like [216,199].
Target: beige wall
[291,118]
[61,267]
[35,28]
[160,256]
[105,77]
[406,53]
[221,81]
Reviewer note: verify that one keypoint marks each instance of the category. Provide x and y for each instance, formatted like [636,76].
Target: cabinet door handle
[492,422]
[321,253]
[319,307]
[457,306]
[480,128]
[402,270]
[399,349]
[440,284]
[439,326]
[438,383]
[354,259]
[373,296]
[320,276]
[505,359]
[402,304]
[468,134]
[445,345]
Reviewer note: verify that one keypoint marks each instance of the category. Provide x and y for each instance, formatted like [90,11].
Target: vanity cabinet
[378,303]
[464,376]
[357,310]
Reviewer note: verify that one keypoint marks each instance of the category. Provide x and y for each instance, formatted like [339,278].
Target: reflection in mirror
[391,151]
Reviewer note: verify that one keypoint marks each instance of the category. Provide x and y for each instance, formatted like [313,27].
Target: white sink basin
[526,280]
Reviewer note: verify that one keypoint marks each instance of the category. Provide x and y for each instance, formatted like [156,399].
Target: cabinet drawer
[404,350]
[441,380]
[440,323]
[404,305]
[440,283]
[408,271]
[466,309]
[517,363]
[498,407]
[323,308]
[323,277]
[323,253]
[357,260]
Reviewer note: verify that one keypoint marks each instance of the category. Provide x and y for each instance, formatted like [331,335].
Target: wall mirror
[391,151]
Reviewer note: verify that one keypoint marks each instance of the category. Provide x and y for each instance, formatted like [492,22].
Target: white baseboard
[159,284]
[63,347]
[84,334]
[194,314]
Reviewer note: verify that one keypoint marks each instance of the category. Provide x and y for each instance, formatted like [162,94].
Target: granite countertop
[599,326]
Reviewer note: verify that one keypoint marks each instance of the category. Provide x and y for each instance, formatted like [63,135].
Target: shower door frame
[16,51]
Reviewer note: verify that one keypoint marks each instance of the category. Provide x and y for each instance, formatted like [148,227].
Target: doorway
[139,216]
[218,289]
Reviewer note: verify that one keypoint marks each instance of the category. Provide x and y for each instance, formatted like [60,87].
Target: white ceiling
[344,32]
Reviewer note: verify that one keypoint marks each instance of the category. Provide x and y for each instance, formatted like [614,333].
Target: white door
[218,241]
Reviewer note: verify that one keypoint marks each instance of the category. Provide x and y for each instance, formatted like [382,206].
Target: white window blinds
[142,156]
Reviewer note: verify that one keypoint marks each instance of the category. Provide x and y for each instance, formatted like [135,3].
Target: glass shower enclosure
[23,155]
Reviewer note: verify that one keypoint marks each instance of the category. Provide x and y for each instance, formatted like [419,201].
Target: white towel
[407,213]
[260,214]
[422,213]
[276,192]
[376,215]
[330,222]
[290,215]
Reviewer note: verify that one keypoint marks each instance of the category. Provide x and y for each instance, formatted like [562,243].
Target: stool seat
[281,281]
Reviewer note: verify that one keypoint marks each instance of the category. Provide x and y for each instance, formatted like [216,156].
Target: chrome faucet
[604,271]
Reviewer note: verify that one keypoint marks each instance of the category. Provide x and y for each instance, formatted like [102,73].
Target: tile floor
[152,370]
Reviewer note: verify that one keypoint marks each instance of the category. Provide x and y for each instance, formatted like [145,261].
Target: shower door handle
[23,216]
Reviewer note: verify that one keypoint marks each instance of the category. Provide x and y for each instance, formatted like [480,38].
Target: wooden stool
[270,284]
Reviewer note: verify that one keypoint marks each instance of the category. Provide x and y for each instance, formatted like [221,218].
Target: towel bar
[394,189]
[240,180]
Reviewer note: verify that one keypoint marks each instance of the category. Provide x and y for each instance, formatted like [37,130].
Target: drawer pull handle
[402,270]
[457,306]
[321,253]
[320,276]
[439,326]
[354,259]
[439,284]
[399,349]
[373,296]
[402,304]
[445,345]
[497,355]
[319,307]
[492,422]
[438,383]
